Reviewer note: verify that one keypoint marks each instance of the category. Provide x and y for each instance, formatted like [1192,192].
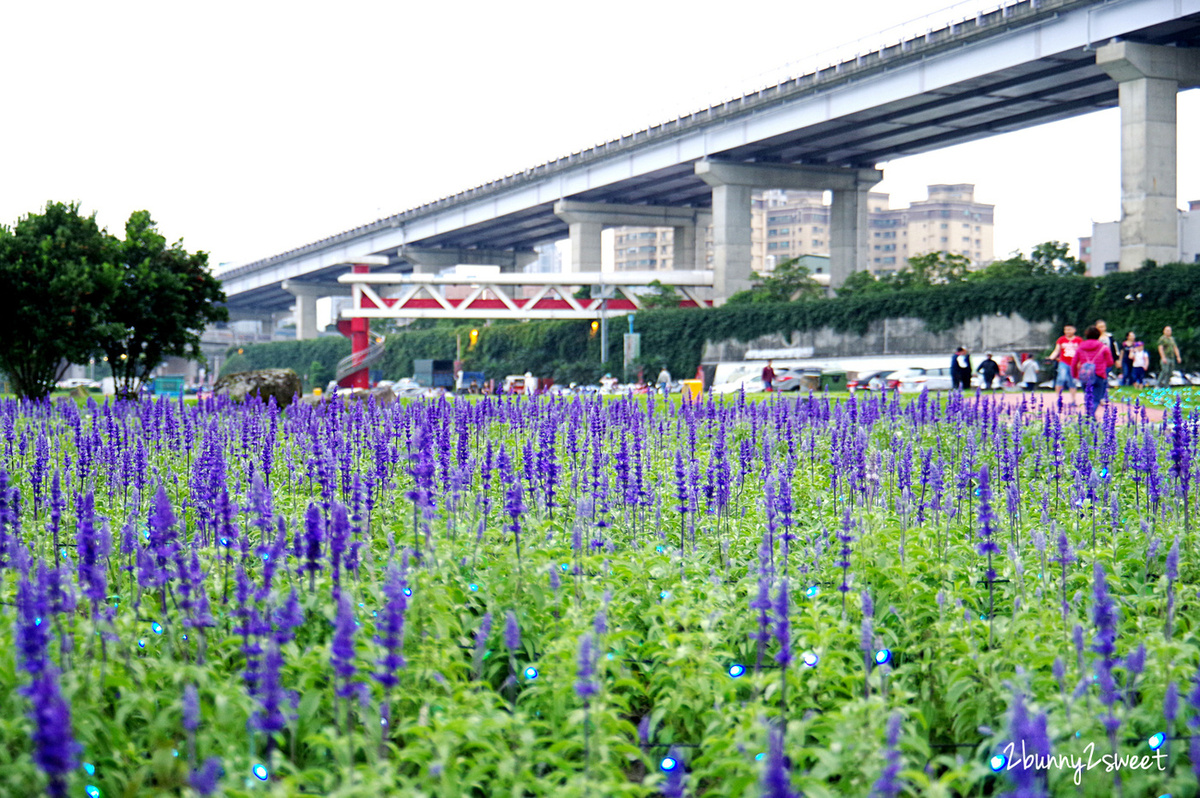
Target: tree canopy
[789,281]
[56,279]
[164,298]
[69,290]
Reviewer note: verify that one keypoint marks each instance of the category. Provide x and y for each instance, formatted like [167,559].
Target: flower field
[524,597]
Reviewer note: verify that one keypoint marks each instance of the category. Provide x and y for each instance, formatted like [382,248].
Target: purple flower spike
[55,750]
[204,779]
[585,685]
[512,632]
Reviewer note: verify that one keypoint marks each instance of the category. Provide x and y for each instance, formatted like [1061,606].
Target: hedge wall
[314,360]
[568,352]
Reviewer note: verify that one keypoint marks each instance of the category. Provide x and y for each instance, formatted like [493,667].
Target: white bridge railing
[493,296]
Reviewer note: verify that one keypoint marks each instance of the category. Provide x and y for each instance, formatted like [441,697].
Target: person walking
[988,369]
[1127,347]
[960,369]
[1141,364]
[1029,373]
[1093,359]
[664,381]
[768,377]
[1168,354]
[1064,352]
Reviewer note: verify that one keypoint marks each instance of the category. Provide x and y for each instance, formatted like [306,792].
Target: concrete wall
[901,337]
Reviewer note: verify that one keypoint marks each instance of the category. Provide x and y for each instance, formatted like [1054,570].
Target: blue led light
[141,643]
[883,656]
[1104,473]
[146,534]
[92,791]
[266,555]
[408,591]
[531,673]
[1156,741]
[812,591]
[37,621]
[810,659]
[997,763]
[174,752]
[89,768]
[759,756]
[977,491]
[668,764]
[473,587]
[565,567]
[156,627]
[736,670]
[659,549]
[224,541]
[374,613]
[664,594]
[360,604]
[260,772]
[383,721]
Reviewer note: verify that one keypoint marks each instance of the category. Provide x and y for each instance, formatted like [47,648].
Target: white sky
[251,128]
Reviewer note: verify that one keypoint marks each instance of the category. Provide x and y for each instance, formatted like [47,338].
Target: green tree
[664,296]
[55,280]
[165,298]
[788,282]
[863,282]
[1050,259]
[933,268]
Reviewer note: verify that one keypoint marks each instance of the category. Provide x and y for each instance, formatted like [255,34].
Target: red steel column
[360,337]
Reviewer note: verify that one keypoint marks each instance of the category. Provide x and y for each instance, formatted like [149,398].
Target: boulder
[283,384]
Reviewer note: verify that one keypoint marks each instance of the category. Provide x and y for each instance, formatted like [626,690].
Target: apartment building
[788,224]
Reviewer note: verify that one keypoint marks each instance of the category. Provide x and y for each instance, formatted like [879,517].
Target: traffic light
[595,328]
[474,337]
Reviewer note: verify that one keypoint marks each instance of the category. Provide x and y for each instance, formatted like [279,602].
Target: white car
[926,379]
[76,382]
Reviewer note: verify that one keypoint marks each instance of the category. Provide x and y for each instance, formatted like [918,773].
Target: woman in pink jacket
[1093,359]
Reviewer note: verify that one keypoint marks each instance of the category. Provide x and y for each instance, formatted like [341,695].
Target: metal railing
[357,361]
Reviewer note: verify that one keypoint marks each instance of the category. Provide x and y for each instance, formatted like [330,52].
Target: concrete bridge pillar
[587,219]
[1148,77]
[306,307]
[849,249]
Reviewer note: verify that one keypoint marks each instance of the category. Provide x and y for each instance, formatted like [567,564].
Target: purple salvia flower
[342,649]
[585,684]
[32,633]
[481,637]
[55,750]
[191,708]
[889,785]
[776,778]
[674,786]
[1028,738]
[204,780]
[512,632]
[1104,643]
[391,628]
[783,633]
[271,693]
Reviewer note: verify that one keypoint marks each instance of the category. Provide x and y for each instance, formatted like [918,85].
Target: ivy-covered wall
[1144,301]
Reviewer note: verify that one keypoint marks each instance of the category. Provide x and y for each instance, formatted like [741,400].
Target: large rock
[283,384]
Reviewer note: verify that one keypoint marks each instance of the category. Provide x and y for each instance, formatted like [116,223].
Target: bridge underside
[1054,87]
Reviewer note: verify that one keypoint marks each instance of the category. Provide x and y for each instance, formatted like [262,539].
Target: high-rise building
[788,224]
[1101,251]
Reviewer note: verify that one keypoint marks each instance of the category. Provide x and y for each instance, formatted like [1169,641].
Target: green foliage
[568,352]
[165,298]
[55,280]
[788,282]
[664,296]
[1049,259]
[314,360]
[932,268]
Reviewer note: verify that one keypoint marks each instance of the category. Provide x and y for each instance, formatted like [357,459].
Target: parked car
[928,379]
[788,380]
[870,381]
